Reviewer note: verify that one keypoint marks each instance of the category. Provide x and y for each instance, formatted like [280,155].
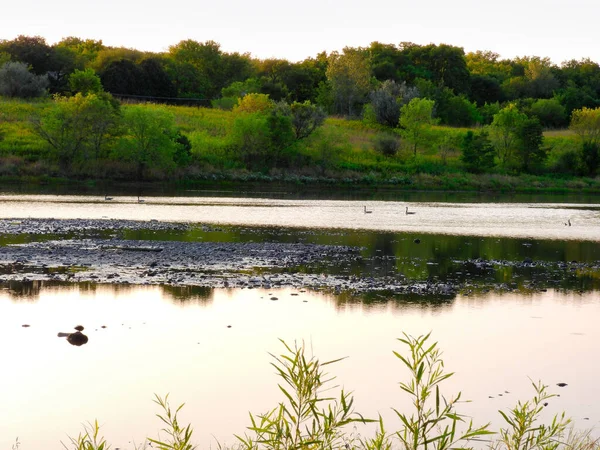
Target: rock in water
[77,338]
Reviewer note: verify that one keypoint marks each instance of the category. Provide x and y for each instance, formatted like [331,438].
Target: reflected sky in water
[160,340]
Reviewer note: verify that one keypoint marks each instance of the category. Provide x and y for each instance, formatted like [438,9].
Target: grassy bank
[340,153]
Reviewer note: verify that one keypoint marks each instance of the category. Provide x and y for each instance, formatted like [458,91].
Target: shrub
[17,81]
[387,144]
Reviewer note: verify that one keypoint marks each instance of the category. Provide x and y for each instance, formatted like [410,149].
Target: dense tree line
[467,88]
[405,89]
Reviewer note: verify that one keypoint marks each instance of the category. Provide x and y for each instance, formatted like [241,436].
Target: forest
[386,113]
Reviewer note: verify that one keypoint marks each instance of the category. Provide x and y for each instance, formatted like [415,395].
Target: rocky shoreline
[83,253]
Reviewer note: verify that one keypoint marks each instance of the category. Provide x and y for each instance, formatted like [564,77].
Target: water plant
[524,432]
[306,418]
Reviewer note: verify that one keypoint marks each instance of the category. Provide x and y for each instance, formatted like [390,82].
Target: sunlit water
[544,221]
[158,342]
[163,340]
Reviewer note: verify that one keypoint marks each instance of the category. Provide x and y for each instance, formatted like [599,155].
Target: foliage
[85,82]
[252,103]
[89,440]
[178,438]
[434,421]
[349,77]
[523,432]
[78,126]
[387,144]
[503,131]
[305,418]
[585,122]
[17,81]
[549,112]
[477,152]
[416,119]
[151,138]
[305,117]
[530,153]
[388,99]
[590,155]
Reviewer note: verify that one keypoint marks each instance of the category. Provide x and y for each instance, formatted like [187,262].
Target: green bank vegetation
[311,415]
[410,116]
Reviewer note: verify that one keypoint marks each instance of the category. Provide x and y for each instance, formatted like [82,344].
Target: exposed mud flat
[84,257]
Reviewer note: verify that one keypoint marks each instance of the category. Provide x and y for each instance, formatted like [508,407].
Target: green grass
[340,152]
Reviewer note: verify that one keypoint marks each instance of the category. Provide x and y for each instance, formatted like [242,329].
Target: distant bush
[387,144]
[17,81]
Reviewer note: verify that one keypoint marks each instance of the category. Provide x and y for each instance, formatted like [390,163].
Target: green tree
[252,103]
[416,120]
[530,153]
[503,131]
[349,77]
[549,112]
[85,81]
[17,81]
[477,152]
[306,118]
[151,139]
[79,127]
[585,122]
[388,99]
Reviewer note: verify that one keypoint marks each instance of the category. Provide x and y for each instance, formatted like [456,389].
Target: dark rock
[25,325]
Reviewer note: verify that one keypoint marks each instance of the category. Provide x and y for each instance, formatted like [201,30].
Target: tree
[416,120]
[585,123]
[305,117]
[477,152]
[530,153]
[17,81]
[349,76]
[151,139]
[85,81]
[388,99]
[549,112]
[252,103]
[31,50]
[79,127]
[503,130]
[124,77]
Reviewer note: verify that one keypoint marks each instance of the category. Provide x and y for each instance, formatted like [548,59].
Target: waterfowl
[409,212]
[367,211]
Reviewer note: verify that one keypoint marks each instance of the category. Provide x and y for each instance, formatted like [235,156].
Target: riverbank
[342,153]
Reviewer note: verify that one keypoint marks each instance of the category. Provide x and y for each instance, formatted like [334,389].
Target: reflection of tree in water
[393,301]
[188,294]
[25,290]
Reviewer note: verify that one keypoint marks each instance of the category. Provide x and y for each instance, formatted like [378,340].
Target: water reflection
[208,347]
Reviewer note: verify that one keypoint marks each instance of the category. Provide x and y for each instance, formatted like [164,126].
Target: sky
[294,30]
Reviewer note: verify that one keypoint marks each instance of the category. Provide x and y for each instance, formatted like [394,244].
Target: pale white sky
[561,30]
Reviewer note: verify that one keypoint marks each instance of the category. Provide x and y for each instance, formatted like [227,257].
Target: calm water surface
[544,221]
[176,340]
[160,340]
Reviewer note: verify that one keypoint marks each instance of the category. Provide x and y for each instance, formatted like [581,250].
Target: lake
[209,347]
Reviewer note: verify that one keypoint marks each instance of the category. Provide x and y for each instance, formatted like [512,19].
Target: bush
[387,144]
[17,81]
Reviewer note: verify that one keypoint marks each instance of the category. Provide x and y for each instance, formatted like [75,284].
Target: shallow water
[177,341]
[524,220]
[167,339]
